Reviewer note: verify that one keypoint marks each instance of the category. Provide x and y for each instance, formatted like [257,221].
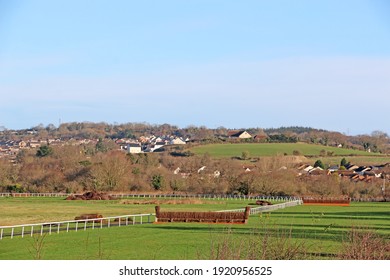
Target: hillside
[272,149]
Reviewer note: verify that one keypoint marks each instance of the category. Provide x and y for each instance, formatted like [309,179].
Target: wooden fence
[203,217]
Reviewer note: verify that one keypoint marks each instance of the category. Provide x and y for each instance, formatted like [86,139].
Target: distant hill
[378,141]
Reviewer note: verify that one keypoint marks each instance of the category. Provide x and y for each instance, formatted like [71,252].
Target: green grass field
[320,230]
[40,209]
[272,149]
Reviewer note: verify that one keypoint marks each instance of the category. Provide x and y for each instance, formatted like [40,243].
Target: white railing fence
[194,196]
[268,208]
[74,225]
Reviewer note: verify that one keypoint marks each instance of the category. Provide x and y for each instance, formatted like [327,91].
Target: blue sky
[324,64]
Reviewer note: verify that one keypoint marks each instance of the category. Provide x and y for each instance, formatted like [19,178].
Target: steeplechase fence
[74,225]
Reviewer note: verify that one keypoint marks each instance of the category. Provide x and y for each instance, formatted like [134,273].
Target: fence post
[108,222]
[22,232]
[93,224]
[12,233]
[67,227]
[32,230]
[1,234]
[85,225]
[77,224]
[58,229]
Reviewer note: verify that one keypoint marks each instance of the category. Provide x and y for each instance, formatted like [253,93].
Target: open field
[49,209]
[273,149]
[318,230]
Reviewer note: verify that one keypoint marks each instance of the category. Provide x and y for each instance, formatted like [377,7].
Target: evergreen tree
[319,163]
[44,151]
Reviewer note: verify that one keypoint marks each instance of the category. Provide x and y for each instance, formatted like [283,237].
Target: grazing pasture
[273,149]
[301,232]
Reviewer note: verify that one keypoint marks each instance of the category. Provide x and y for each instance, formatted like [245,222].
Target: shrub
[296,153]
[364,244]
[319,163]
[266,243]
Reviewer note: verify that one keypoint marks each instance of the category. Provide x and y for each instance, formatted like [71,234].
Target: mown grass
[16,211]
[272,149]
[319,230]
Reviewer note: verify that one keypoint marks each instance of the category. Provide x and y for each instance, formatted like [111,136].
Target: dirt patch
[90,196]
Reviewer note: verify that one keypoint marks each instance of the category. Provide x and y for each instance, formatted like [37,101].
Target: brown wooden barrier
[203,217]
[345,201]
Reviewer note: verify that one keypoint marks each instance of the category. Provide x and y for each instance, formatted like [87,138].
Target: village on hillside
[9,150]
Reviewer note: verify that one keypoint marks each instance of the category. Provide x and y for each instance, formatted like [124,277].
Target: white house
[177,141]
[134,148]
[243,134]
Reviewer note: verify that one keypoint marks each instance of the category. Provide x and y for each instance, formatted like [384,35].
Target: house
[242,134]
[260,137]
[177,141]
[134,148]
[34,144]
[333,168]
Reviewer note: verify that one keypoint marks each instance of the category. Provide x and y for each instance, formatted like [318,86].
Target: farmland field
[272,149]
[318,230]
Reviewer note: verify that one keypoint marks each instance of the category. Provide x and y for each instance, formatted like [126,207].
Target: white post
[50,229]
[32,230]
[85,225]
[141,220]
[58,229]
[67,227]
[127,221]
[22,232]
[1,234]
[101,223]
[41,229]
[133,220]
[77,223]
[93,224]
[12,233]
[108,222]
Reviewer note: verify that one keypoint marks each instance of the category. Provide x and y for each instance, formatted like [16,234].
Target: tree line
[377,141]
[75,169]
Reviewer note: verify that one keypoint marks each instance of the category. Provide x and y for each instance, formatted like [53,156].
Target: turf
[321,229]
[17,211]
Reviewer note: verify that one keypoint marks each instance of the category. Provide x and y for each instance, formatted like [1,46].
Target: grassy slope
[322,229]
[270,149]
